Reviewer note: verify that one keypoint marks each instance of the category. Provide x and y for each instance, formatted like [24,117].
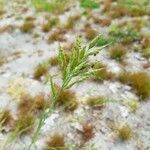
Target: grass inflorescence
[74,70]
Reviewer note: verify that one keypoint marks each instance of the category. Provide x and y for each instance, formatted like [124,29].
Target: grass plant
[74,71]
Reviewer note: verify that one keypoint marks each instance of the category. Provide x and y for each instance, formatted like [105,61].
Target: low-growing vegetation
[49,24]
[70,72]
[56,95]
[124,132]
[117,52]
[139,81]
[53,6]
[133,105]
[27,26]
[90,4]
[88,131]
[90,33]
[56,142]
[97,101]
[40,70]
[57,35]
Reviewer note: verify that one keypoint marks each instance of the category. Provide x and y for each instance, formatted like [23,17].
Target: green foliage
[53,6]
[125,34]
[92,4]
[74,70]
[103,40]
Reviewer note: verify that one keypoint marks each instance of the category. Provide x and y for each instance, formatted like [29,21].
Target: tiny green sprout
[125,132]
[133,105]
